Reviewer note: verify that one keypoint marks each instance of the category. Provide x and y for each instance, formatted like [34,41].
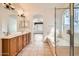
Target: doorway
[38,28]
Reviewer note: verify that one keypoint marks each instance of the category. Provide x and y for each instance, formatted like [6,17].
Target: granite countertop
[14,35]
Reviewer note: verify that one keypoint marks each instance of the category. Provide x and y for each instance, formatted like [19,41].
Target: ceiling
[40,5]
[35,7]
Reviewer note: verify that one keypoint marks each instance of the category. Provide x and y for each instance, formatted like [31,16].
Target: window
[76,19]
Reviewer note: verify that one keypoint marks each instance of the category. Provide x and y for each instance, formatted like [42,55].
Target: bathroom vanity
[13,44]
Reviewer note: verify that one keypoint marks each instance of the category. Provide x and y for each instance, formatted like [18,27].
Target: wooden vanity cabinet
[12,46]
[9,47]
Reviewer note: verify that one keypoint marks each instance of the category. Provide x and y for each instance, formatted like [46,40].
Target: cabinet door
[23,41]
[13,47]
[29,37]
[0,47]
[5,47]
[20,43]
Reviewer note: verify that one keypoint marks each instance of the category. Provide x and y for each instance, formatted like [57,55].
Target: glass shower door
[67,31]
[76,29]
[62,31]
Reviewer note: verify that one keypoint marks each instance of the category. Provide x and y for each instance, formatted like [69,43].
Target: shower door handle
[68,32]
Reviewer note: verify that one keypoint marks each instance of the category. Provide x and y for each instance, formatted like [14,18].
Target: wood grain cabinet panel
[9,47]
[29,37]
[22,41]
[12,46]
[19,43]
[5,47]
[25,40]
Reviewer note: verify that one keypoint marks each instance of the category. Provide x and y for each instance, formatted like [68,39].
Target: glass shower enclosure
[67,31]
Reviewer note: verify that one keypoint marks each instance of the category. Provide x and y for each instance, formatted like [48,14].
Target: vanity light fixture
[21,14]
[8,6]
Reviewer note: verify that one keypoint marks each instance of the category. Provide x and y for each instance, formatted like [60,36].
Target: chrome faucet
[6,33]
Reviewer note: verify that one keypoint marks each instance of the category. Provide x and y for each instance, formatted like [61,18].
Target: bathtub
[50,40]
[62,45]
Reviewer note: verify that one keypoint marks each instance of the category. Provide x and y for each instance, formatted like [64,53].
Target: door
[38,31]
[62,39]
[64,31]
[76,29]
[38,24]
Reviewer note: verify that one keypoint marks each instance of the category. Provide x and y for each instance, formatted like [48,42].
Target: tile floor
[36,48]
